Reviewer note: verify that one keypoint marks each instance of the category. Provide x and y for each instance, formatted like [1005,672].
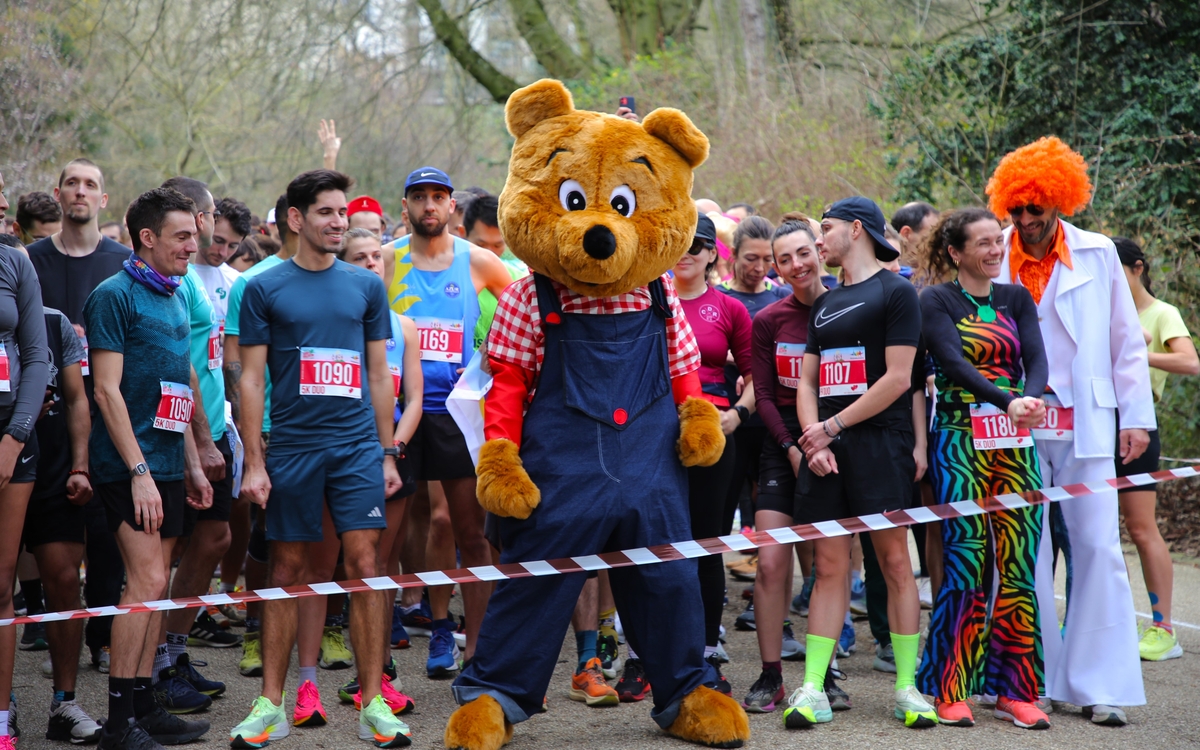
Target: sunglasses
[699,246]
[1034,210]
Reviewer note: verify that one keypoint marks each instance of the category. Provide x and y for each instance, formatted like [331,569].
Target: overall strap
[658,299]
[547,296]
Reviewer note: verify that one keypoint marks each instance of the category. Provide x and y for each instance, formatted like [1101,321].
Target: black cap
[866,211]
[706,230]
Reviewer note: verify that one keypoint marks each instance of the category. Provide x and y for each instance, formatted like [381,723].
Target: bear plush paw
[479,725]
[504,487]
[707,717]
[701,441]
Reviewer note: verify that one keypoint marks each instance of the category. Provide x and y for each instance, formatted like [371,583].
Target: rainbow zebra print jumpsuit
[984,352]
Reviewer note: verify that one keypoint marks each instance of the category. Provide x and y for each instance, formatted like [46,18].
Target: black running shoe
[186,669]
[206,632]
[33,637]
[168,729]
[745,621]
[839,700]
[133,738]
[177,695]
[633,686]
[721,685]
[766,693]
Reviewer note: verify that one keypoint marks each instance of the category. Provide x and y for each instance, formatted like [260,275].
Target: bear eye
[571,196]
[623,200]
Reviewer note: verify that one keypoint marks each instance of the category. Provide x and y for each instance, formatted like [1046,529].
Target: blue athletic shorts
[347,477]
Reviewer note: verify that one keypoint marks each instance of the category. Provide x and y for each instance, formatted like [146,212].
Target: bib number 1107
[843,372]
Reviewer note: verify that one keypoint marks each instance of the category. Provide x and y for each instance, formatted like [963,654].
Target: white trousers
[1094,659]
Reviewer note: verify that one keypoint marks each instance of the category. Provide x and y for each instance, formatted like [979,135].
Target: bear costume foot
[707,717]
[480,725]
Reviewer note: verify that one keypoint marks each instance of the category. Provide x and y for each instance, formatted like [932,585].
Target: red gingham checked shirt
[516,334]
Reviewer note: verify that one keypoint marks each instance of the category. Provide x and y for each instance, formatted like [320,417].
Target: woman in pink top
[722,326]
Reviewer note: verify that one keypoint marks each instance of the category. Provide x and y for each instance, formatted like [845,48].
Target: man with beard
[1100,383]
[70,264]
[437,280]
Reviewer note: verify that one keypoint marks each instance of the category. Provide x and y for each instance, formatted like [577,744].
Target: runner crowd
[196,393]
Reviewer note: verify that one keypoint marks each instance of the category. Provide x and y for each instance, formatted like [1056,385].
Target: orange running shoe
[398,702]
[309,711]
[588,685]
[1021,713]
[956,714]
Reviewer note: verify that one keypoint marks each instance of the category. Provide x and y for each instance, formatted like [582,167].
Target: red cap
[364,203]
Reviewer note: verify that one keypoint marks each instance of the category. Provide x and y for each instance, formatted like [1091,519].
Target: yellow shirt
[1164,323]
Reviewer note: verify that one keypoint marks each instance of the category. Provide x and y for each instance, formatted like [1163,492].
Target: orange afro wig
[1045,173]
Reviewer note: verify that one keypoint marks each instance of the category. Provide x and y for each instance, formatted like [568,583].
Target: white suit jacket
[1094,342]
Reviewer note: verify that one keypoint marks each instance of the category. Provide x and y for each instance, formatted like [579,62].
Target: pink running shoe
[397,701]
[309,711]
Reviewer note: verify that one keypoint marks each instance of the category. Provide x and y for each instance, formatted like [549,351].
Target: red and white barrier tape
[640,556]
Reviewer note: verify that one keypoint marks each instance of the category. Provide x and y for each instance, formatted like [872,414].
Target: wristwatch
[743,413]
[138,470]
[788,445]
[394,451]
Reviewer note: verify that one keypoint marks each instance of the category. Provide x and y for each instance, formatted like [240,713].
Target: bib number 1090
[175,406]
[330,372]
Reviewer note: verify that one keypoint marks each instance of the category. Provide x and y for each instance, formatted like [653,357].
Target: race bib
[175,407]
[330,372]
[441,339]
[5,383]
[395,370]
[991,429]
[216,350]
[843,372]
[83,363]
[1059,423]
[788,360]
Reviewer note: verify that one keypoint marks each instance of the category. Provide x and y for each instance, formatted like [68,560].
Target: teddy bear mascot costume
[594,413]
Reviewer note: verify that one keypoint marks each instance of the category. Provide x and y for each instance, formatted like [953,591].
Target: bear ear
[536,102]
[674,127]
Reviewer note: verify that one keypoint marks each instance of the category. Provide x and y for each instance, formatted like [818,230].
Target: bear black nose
[599,242]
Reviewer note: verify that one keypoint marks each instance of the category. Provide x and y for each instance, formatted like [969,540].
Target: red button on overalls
[553,318]
[620,415]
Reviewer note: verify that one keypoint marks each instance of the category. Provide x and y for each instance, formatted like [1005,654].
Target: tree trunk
[455,41]
[754,46]
[646,25]
[552,53]
[789,42]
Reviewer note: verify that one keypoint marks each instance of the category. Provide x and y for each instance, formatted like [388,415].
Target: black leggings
[708,487]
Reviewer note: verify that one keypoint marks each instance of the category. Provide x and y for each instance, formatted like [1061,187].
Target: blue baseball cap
[866,211]
[427,176]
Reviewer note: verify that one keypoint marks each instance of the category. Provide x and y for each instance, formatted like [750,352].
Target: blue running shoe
[858,596]
[177,695]
[846,644]
[418,622]
[399,634]
[443,651]
[187,671]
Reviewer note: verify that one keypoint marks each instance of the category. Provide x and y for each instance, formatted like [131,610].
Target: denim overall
[599,442]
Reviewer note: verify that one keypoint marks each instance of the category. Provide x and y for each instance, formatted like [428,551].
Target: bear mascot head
[596,202]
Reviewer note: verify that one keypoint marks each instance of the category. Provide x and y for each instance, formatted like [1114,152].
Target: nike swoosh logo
[822,318]
[27,459]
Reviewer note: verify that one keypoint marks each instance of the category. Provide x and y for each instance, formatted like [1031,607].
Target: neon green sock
[905,649]
[816,661]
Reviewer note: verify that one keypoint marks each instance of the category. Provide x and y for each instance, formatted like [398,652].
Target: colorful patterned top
[977,361]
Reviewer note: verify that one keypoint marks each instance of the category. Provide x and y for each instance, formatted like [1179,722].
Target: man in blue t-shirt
[321,325]
[144,463]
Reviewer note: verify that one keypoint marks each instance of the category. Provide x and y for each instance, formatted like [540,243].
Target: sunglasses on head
[1033,209]
[699,246]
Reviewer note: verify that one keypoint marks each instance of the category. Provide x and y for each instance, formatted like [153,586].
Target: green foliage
[1120,82]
